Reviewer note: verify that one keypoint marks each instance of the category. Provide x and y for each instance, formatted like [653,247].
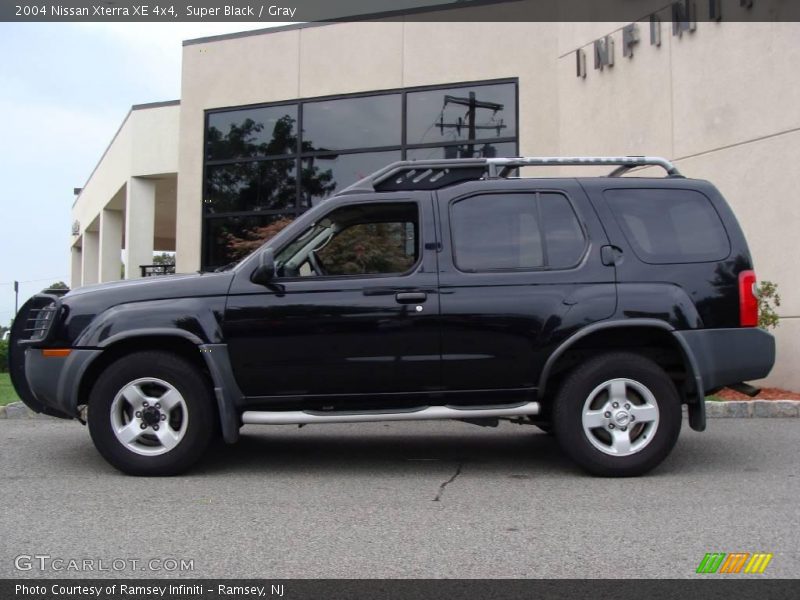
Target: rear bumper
[721,357]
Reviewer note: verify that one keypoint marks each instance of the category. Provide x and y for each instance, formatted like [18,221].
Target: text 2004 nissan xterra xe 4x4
[593,307]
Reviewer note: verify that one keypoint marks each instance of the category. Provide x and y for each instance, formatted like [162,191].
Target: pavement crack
[438,497]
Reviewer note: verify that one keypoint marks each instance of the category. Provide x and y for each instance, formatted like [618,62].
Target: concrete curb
[18,410]
[742,409]
[753,409]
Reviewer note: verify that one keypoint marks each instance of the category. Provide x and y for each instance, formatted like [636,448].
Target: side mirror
[265,272]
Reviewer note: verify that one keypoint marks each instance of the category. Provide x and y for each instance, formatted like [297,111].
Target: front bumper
[52,382]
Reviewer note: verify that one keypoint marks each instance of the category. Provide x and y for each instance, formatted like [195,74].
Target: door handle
[410,297]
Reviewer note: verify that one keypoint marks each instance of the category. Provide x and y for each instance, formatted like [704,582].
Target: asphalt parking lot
[426,499]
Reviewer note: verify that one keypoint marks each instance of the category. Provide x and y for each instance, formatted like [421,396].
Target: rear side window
[495,232]
[669,226]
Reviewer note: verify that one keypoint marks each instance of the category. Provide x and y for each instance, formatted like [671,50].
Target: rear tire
[617,415]
[151,413]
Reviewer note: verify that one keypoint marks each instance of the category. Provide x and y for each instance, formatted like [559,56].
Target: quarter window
[666,226]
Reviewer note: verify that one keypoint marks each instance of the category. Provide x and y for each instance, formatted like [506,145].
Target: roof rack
[436,174]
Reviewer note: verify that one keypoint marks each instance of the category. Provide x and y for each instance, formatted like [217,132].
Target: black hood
[82,306]
[151,288]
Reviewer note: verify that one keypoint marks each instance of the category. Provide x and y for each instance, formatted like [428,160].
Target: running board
[303,417]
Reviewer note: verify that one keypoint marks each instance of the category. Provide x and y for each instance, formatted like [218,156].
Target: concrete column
[140,221]
[110,244]
[189,223]
[75,278]
[90,257]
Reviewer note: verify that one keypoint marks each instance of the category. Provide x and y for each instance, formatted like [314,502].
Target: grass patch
[715,399]
[7,393]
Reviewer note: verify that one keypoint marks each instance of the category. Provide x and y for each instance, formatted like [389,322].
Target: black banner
[306,11]
[731,588]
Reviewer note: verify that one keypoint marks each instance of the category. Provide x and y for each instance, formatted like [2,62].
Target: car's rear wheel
[617,415]
[151,413]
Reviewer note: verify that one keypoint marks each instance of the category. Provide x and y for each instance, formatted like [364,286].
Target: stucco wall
[723,103]
[145,145]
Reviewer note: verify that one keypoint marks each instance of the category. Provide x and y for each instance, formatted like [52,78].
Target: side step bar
[303,417]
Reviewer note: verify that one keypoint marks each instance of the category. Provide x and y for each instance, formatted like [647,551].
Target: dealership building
[272,121]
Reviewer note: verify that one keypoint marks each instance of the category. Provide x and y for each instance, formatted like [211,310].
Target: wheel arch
[211,359]
[651,337]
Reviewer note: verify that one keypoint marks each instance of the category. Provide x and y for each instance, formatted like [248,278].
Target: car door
[520,270]
[366,326]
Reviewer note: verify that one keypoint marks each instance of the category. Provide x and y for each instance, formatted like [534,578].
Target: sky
[64,90]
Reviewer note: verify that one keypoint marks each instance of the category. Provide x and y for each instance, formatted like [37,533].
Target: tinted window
[262,185]
[252,132]
[363,239]
[371,248]
[669,226]
[324,175]
[449,114]
[352,123]
[232,238]
[255,154]
[493,232]
[563,235]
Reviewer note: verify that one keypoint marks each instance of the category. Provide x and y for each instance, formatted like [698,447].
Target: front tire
[151,413]
[617,415]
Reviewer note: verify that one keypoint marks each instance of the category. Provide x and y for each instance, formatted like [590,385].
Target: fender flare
[696,403]
[151,331]
[215,356]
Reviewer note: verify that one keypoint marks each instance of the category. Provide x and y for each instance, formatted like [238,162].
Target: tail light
[748,300]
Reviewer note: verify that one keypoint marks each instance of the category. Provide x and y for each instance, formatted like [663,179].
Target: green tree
[164,258]
[58,285]
[3,356]
[251,239]
[266,185]
[367,248]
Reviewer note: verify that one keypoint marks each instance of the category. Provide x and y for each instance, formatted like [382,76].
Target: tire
[151,413]
[617,415]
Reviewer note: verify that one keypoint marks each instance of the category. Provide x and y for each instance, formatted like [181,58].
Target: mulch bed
[767,393]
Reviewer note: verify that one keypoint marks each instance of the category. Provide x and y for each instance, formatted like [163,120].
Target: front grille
[39,319]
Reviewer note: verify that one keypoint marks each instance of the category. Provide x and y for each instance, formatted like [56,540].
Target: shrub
[768,301]
[3,356]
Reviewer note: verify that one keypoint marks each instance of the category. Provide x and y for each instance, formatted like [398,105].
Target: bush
[3,356]
[768,301]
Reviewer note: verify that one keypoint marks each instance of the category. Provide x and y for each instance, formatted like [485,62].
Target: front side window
[363,239]
[498,232]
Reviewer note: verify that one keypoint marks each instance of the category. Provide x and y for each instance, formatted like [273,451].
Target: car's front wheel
[151,413]
[617,415]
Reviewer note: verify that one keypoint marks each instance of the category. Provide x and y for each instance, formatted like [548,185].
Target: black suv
[593,307]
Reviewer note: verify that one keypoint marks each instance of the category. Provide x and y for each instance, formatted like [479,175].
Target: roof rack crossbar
[494,168]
